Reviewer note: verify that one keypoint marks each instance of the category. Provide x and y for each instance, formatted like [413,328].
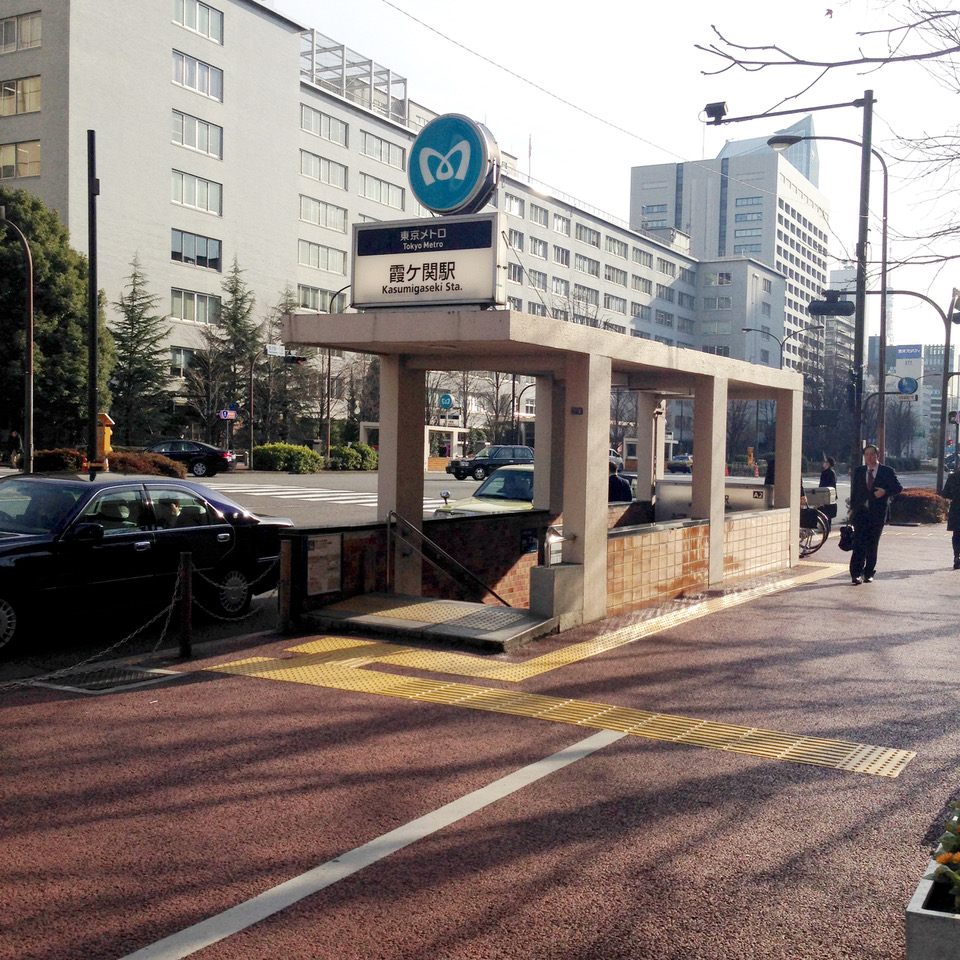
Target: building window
[764,356]
[560,314]
[323,301]
[20,159]
[323,214]
[195,249]
[536,308]
[616,304]
[561,287]
[537,279]
[322,258]
[561,256]
[515,239]
[666,267]
[717,303]
[665,293]
[515,303]
[747,217]
[687,300]
[654,208]
[561,224]
[767,285]
[540,215]
[640,311]
[196,134]
[181,359]
[19,96]
[654,224]
[718,351]
[666,341]
[586,265]
[512,204]
[383,150]
[199,18]
[198,76]
[686,325]
[539,248]
[688,276]
[765,309]
[583,294]
[748,201]
[642,257]
[194,307]
[615,275]
[381,191]
[515,272]
[739,249]
[322,125]
[642,284]
[326,171]
[717,328]
[191,191]
[19,33]
[618,248]
[587,234]
[749,232]
[663,318]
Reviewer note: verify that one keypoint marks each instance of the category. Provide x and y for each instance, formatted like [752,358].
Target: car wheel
[198,468]
[460,475]
[233,593]
[9,625]
[478,473]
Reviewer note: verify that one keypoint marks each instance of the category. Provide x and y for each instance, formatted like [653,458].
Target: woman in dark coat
[828,478]
[951,490]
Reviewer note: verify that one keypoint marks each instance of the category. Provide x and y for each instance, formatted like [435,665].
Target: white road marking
[310,494]
[278,898]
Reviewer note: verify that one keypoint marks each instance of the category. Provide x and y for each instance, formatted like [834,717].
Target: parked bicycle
[813,530]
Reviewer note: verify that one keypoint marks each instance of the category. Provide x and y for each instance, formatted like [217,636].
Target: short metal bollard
[186,606]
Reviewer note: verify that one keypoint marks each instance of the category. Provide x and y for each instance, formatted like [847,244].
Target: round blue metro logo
[454,165]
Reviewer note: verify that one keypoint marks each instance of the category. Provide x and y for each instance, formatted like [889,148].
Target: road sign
[446,401]
[274,349]
[228,414]
[907,385]
[910,398]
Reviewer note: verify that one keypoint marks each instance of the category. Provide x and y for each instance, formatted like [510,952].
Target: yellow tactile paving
[467,665]
[342,663]
[854,757]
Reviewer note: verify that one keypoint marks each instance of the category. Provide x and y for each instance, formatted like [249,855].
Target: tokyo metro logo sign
[454,165]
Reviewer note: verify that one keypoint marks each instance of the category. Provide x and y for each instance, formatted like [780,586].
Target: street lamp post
[783,142]
[781,340]
[332,303]
[28,345]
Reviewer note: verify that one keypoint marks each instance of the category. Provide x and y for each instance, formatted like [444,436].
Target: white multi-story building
[751,204]
[226,132]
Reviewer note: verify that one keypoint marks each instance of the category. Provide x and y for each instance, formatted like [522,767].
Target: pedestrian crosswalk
[306,494]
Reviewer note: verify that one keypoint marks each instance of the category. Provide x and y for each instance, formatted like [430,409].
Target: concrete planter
[932,933]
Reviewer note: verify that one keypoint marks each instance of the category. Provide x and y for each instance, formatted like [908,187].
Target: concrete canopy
[576,367]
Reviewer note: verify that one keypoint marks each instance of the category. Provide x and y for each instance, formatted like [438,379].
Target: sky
[581,97]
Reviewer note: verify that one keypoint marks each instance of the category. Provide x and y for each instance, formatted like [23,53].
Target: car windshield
[483,454]
[30,507]
[507,485]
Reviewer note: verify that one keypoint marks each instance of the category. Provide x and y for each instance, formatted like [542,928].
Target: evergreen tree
[141,402]
[60,326]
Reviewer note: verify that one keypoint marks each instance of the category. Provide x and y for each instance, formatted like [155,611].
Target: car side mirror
[446,496]
[88,532]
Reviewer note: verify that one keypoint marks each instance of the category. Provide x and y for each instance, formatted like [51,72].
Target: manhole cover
[107,679]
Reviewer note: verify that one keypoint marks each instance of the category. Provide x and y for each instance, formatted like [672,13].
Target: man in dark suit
[873,486]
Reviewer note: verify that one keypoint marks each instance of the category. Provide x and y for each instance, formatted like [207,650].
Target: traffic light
[833,306]
[952,416]
[293,358]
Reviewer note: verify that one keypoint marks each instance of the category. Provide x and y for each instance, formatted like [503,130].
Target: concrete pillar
[709,466]
[549,440]
[651,431]
[400,478]
[786,481]
[585,471]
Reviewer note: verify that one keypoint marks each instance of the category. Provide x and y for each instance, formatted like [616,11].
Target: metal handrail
[394,519]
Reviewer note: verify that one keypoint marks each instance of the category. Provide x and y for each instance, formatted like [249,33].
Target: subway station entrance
[576,367]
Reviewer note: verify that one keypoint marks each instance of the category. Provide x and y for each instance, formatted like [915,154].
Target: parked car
[508,490]
[616,459]
[82,547]
[202,459]
[681,463]
[487,460]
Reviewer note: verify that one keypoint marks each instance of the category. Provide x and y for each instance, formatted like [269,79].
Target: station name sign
[448,260]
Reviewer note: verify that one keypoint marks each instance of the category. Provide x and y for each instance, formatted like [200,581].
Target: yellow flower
[945,858]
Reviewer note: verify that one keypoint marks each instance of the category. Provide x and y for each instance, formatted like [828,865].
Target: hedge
[151,464]
[918,506]
[60,460]
[287,457]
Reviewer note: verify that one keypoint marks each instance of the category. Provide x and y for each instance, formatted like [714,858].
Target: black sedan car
[202,459]
[72,545]
[487,460]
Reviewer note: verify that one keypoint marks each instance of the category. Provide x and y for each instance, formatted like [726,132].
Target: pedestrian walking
[828,478]
[15,448]
[951,490]
[874,484]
